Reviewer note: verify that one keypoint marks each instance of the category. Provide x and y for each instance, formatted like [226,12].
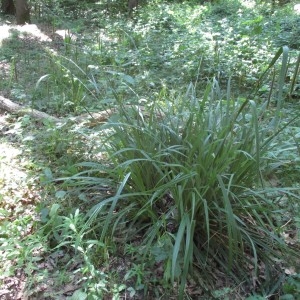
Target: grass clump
[194,192]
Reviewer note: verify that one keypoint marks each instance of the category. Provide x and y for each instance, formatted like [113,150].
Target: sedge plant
[191,174]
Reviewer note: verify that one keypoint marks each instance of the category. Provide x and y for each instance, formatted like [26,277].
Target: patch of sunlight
[65,33]
[10,169]
[248,3]
[7,30]
[104,37]
[297,8]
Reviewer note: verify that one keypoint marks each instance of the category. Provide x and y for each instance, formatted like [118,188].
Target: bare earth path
[16,203]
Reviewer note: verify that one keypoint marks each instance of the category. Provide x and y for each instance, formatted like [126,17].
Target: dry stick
[14,108]
[91,118]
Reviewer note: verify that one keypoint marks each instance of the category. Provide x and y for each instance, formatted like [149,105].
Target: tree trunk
[22,12]
[132,4]
[8,7]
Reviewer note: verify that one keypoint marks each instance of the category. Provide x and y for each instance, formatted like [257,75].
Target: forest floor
[20,195]
[30,150]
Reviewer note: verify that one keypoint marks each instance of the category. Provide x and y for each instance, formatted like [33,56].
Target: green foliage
[66,232]
[289,32]
[291,286]
[184,185]
[82,73]
[192,171]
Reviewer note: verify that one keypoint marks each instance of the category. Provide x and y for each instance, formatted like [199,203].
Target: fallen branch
[96,117]
[20,110]
[91,119]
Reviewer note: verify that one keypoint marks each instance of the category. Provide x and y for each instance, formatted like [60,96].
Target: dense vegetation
[190,188]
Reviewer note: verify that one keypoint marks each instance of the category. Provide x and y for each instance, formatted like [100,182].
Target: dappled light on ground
[9,169]
[7,30]
[13,195]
